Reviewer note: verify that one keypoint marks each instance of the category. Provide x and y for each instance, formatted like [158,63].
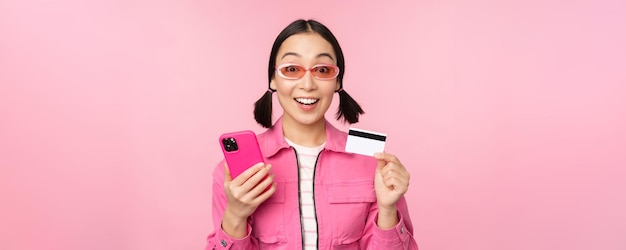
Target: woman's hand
[244,194]
[390,183]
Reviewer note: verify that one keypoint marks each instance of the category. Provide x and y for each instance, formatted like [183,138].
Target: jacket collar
[273,139]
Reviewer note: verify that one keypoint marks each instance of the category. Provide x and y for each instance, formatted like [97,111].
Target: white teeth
[306,101]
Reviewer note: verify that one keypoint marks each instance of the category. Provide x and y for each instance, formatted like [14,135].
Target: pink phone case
[244,154]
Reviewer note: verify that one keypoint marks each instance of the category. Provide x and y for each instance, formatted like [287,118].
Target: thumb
[381,161]
[227,177]
[381,164]
[379,171]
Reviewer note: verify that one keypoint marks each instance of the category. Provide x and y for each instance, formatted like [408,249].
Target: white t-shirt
[307,158]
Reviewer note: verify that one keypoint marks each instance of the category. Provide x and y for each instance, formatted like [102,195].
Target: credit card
[365,142]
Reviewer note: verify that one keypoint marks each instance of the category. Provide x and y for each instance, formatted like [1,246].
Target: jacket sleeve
[398,237]
[218,239]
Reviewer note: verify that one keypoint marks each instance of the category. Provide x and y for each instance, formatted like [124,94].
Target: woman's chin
[307,119]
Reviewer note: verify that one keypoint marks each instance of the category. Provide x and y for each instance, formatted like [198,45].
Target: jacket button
[402,229]
[223,242]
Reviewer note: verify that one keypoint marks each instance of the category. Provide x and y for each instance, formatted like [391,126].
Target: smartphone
[241,151]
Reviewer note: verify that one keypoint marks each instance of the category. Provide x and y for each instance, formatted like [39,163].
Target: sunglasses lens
[322,71]
[292,71]
[325,71]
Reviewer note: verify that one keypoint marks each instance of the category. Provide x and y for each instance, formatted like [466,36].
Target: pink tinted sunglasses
[293,71]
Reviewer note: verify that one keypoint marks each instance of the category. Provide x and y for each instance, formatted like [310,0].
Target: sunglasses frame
[284,65]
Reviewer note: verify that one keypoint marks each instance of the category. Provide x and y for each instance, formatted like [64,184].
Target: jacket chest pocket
[349,205]
[268,221]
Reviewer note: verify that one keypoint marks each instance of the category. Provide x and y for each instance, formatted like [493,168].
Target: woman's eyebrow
[327,55]
[298,55]
[290,54]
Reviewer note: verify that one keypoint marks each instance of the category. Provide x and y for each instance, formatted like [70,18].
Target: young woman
[310,194]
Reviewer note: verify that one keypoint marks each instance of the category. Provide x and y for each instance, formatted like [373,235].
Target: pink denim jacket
[345,202]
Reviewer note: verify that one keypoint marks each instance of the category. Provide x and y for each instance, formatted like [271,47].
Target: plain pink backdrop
[510,115]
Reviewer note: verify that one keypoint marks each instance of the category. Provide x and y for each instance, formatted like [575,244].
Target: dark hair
[348,109]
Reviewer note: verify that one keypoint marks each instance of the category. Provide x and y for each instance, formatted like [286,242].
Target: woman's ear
[338,86]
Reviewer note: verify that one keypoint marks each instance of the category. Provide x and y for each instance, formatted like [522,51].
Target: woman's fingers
[382,156]
[259,189]
[245,175]
[395,177]
[396,183]
[256,178]
[388,164]
[264,190]
[253,185]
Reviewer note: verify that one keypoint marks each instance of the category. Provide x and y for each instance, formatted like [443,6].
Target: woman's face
[305,100]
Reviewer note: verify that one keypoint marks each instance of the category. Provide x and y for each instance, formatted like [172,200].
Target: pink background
[510,116]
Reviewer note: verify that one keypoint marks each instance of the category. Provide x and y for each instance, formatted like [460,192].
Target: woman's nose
[308,81]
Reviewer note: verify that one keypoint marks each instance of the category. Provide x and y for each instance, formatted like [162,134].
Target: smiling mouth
[306,101]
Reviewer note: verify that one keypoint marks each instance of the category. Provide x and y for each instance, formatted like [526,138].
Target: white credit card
[365,142]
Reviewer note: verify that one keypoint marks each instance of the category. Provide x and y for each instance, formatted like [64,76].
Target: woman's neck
[308,135]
